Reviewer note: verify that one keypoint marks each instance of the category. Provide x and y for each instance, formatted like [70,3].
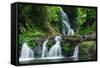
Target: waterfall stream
[66,29]
[44,49]
[76,51]
[26,52]
[55,50]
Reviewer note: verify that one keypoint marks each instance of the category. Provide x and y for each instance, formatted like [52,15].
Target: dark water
[36,61]
[59,60]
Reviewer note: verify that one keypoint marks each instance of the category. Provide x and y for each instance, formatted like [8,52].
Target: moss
[88,50]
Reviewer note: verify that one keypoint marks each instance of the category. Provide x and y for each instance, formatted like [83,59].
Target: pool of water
[45,60]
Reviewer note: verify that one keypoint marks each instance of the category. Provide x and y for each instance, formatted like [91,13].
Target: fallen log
[80,38]
[77,38]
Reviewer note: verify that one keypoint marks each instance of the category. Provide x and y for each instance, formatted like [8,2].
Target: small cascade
[26,52]
[66,29]
[55,50]
[44,49]
[76,52]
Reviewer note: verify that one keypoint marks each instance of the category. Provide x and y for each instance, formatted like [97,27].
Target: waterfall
[76,51]
[65,24]
[26,52]
[67,29]
[44,49]
[55,50]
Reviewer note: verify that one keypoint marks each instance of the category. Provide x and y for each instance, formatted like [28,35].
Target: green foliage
[86,20]
[85,31]
[54,17]
[30,40]
[67,48]
[54,13]
[51,42]
[81,16]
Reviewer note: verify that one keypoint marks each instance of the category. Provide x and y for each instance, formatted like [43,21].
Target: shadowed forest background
[36,21]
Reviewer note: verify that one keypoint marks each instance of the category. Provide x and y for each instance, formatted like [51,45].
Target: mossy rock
[88,50]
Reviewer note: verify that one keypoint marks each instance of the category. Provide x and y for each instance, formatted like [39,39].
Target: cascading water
[65,24]
[76,51]
[26,53]
[55,50]
[44,49]
[67,29]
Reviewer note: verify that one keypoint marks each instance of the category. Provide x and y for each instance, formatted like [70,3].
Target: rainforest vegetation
[36,21]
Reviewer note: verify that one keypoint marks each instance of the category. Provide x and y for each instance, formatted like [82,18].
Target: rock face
[38,49]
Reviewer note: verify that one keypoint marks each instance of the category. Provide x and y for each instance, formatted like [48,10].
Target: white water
[76,52]
[26,52]
[44,49]
[55,50]
[65,24]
